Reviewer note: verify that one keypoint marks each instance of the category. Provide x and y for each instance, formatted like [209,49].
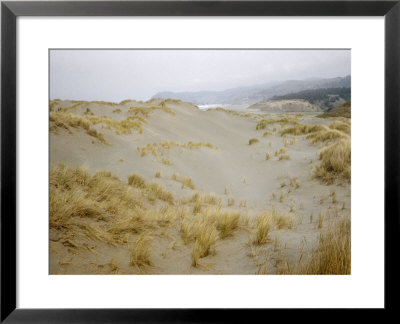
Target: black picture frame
[9,13]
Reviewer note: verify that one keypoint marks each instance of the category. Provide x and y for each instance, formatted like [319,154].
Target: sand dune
[189,151]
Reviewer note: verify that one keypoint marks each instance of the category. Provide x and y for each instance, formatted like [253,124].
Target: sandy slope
[236,170]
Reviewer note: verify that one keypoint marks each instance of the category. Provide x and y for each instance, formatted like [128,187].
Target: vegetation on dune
[158,148]
[253,141]
[145,111]
[284,157]
[342,126]
[90,210]
[63,118]
[342,111]
[140,251]
[68,121]
[300,129]
[79,201]
[333,255]
[336,130]
[285,221]
[264,123]
[206,236]
[335,162]
[206,227]
[336,157]
[326,135]
[263,224]
[101,208]
[186,182]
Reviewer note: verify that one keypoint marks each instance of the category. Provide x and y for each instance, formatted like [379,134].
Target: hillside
[285,106]
[253,94]
[342,111]
[325,98]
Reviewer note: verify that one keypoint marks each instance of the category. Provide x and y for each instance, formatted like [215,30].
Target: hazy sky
[115,75]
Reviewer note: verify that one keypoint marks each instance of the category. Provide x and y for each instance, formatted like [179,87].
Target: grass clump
[206,235]
[66,121]
[231,202]
[263,224]
[186,182]
[227,222]
[137,181]
[156,191]
[341,126]
[264,123]
[284,157]
[145,111]
[94,206]
[333,255]
[253,141]
[327,135]
[285,221]
[140,252]
[300,129]
[158,148]
[335,162]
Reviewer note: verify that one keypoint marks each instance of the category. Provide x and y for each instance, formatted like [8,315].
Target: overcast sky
[115,75]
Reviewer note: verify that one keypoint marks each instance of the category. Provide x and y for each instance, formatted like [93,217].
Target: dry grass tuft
[145,111]
[156,191]
[320,220]
[253,141]
[300,129]
[197,208]
[137,181]
[264,123]
[227,222]
[285,221]
[206,235]
[157,149]
[337,130]
[263,224]
[140,252]
[335,162]
[98,206]
[185,181]
[333,255]
[284,157]
[66,121]
[342,126]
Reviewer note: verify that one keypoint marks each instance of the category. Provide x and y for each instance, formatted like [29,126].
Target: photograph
[199,161]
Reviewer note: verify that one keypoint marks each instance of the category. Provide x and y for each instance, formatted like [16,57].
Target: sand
[235,170]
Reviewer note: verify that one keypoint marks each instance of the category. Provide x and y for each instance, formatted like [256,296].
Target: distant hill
[342,111]
[253,94]
[326,98]
[285,106]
